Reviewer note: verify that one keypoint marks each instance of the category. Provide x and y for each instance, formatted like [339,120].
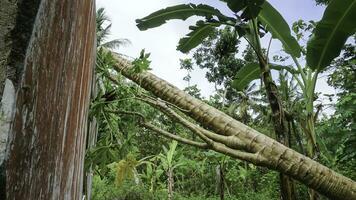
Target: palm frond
[101,18]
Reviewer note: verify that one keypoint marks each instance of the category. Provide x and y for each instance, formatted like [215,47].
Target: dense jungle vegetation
[148,147]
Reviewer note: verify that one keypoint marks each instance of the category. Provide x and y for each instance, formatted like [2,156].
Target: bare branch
[161,131]
[175,137]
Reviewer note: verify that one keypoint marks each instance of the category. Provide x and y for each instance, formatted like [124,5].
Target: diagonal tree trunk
[266,151]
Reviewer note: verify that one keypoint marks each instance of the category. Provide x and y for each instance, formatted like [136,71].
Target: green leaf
[278,27]
[250,8]
[199,32]
[282,67]
[142,63]
[251,72]
[245,75]
[171,151]
[331,33]
[234,5]
[183,12]
[253,8]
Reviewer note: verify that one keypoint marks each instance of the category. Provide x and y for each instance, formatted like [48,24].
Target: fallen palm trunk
[263,150]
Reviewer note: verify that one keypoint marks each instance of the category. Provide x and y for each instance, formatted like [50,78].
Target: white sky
[161,42]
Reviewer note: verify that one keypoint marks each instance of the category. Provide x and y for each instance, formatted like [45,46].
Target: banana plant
[152,173]
[169,163]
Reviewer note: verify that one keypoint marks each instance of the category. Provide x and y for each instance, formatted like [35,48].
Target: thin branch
[161,131]
[174,137]
[251,157]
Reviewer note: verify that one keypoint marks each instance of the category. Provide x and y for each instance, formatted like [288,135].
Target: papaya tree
[169,163]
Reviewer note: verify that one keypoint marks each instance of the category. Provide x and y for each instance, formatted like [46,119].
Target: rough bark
[280,126]
[47,143]
[269,153]
[221,180]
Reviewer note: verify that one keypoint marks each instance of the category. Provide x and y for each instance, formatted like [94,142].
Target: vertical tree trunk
[221,181]
[170,183]
[280,126]
[312,148]
[47,142]
[278,114]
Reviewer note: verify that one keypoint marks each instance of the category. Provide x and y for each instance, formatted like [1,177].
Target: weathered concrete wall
[47,143]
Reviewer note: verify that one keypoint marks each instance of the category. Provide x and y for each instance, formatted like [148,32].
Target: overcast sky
[161,42]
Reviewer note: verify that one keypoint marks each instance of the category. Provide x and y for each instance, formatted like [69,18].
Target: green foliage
[193,91]
[273,21]
[186,64]
[198,33]
[126,169]
[343,76]
[331,33]
[246,75]
[227,44]
[106,189]
[251,72]
[217,53]
[141,63]
[168,160]
[250,8]
[300,28]
[339,128]
[103,27]
[182,12]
